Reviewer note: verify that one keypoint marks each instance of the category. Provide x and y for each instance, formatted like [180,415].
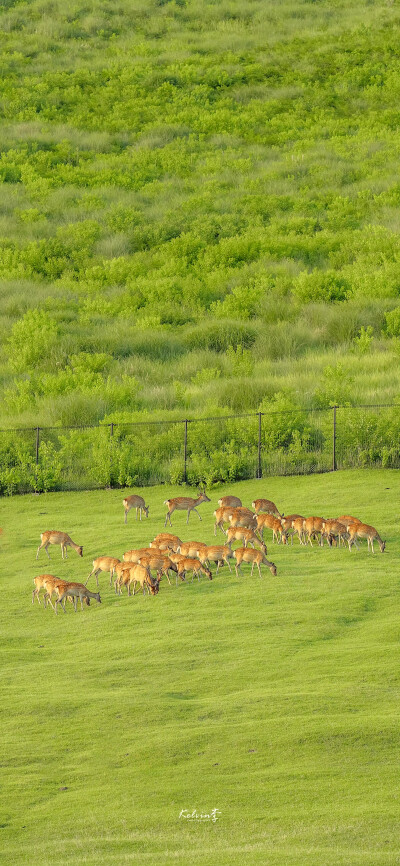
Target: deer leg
[259,569]
[168,517]
[198,515]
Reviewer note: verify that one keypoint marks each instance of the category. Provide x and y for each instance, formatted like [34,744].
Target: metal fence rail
[199,450]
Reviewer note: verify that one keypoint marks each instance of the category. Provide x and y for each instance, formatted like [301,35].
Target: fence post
[259,468]
[334,467]
[185,452]
[37,445]
[111,453]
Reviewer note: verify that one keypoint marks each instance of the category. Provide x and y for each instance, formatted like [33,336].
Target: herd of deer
[167,554]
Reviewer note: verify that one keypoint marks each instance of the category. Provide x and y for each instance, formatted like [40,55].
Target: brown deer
[266,506]
[75,591]
[313,527]
[184,503]
[58,586]
[256,557]
[40,583]
[161,564]
[334,531]
[103,563]
[239,519]
[363,530]
[135,502]
[229,502]
[191,548]
[287,524]
[216,553]
[268,521]
[195,566]
[134,555]
[139,575]
[61,538]
[246,536]
[222,516]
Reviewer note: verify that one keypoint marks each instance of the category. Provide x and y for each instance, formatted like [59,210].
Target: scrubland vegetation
[199,209]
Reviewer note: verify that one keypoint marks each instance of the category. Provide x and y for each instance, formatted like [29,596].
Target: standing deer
[103,563]
[266,506]
[135,502]
[40,583]
[61,538]
[184,503]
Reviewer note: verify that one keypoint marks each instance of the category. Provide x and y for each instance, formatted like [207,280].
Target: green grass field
[274,701]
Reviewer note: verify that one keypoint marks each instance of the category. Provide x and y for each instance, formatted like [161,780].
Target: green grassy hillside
[199,207]
[274,701]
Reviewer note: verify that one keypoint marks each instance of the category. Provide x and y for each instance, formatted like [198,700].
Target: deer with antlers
[184,503]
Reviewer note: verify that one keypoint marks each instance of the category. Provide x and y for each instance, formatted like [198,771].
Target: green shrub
[318,285]
[31,340]
[219,336]
[393,322]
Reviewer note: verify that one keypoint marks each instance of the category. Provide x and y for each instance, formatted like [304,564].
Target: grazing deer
[195,566]
[334,529]
[184,503]
[75,591]
[135,502]
[362,530]
[61,538]
[246,536]
[140,575]
[103,563]
[287,524]
[256,557]
[229,502]
[216,553]
[161,564]
[58,587]
[266,506]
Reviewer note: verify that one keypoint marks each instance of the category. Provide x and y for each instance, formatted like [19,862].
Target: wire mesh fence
[201,450]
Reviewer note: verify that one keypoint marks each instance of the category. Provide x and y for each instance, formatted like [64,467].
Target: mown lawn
[274,701]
